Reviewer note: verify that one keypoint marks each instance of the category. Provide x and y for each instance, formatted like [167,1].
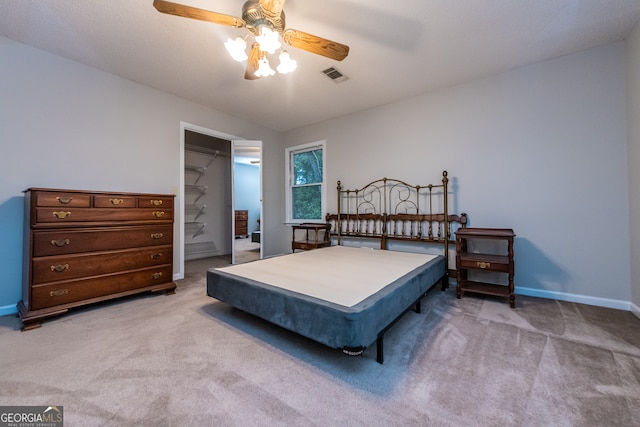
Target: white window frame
[289,152]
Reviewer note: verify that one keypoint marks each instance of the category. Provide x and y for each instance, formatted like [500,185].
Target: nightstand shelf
[474,260]
[315,236]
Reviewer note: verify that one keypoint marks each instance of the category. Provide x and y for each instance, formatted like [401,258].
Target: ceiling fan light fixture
[236,48]
[264,20]
[287,64]
[264,70]
[268,39]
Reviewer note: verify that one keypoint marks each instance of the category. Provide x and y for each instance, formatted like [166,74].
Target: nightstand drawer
[485,262]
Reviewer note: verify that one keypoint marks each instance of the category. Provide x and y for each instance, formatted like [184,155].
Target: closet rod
[205,150]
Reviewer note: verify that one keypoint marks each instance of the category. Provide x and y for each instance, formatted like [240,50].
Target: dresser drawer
[50,295]
[114,200]
[70,200]
[66,267]
[155,202]
[46,243]
[77,216]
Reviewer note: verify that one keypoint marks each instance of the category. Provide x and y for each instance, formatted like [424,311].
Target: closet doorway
[199,235]
[206,196]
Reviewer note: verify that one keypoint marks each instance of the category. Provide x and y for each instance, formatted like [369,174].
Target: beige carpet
[188,360]
[246,250]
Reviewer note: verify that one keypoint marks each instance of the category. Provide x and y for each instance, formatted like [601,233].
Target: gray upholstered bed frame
[388,210]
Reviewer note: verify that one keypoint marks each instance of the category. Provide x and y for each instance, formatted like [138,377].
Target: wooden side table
[316,236]
[500,263]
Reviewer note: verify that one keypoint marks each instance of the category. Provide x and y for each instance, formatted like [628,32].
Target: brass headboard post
[385,206]
[447,232]
[338,220]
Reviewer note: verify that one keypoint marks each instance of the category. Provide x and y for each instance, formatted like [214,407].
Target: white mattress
[339,274]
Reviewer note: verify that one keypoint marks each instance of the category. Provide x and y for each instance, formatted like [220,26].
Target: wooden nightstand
[476,260]
[316,236]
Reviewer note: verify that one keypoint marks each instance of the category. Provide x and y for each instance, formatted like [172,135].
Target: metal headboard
[391,209]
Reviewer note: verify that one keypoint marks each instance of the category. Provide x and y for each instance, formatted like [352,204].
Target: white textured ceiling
[399,48]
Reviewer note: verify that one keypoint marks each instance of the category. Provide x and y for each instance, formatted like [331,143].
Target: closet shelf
[198,190]
[195,228]
[196,169]
[200,250]
[194,210]
[195,188]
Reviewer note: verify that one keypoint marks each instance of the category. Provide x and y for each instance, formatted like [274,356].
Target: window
[306,188]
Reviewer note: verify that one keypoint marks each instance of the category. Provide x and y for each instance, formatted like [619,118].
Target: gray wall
[540,149]
[65,125]
[633,120]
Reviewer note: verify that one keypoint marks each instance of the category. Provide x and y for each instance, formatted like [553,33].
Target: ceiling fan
[264,19]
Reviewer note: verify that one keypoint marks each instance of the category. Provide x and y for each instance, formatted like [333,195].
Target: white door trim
[179,236]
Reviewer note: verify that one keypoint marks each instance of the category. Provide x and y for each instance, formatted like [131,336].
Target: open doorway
[247,201]
[196,236]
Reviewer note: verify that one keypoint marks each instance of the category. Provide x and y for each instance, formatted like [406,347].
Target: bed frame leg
[380,349]
[444,282]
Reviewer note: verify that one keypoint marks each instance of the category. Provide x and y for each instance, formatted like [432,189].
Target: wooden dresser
[241,221]
[82,247]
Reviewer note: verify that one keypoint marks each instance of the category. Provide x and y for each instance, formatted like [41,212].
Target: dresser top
[57,190]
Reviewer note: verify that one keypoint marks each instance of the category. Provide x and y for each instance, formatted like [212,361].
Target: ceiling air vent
[335,75]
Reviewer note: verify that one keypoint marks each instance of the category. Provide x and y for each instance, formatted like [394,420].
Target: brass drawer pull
[59,268]
[158,214]
[157,275]
[155,202]
[116,201]
[156,256]
[482,264]
[60,243]
[64,200]
[58,292]
[157,236]
[61,214]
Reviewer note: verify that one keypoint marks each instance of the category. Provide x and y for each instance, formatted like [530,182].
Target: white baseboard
[635,310]
[582,299]
[600,302]
[8,309]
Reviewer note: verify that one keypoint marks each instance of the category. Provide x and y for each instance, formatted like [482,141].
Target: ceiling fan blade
[252,62]
[315,44]
[272,8]
[195,13]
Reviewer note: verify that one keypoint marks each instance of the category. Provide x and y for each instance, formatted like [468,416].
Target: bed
[348,295]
